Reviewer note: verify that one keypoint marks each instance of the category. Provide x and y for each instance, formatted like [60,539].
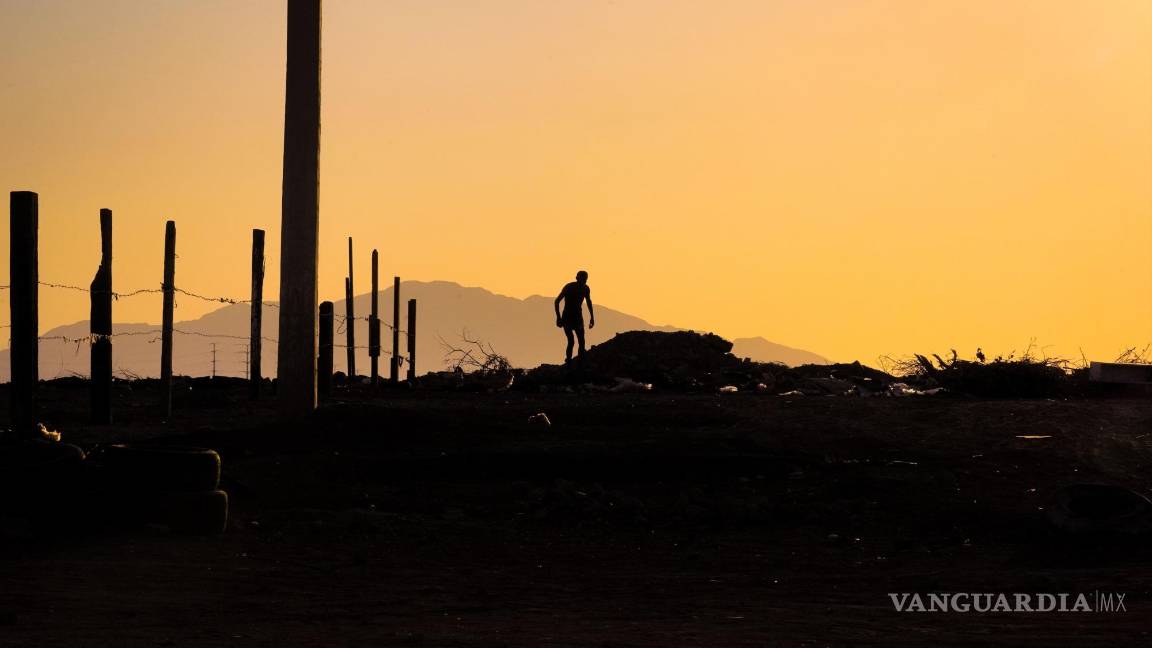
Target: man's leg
[580,338]
[568,351]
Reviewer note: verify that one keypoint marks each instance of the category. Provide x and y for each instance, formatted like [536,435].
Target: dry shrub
[1026,376]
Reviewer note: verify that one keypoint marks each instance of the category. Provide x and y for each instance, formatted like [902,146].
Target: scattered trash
[629,386]
[1033,436]
[794,392]
[1026,376]
[540,420]
[729,389]
[904,389]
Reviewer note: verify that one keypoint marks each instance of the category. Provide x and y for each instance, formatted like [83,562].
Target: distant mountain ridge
[522,329]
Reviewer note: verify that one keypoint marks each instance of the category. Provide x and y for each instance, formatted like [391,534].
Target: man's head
[582,277]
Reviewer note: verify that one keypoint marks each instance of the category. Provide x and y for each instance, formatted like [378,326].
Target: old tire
[204,513]
[39,478]
[196,513]
[169,469]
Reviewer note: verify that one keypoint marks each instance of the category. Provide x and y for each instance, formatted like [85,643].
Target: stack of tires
[43,483]
[169,485]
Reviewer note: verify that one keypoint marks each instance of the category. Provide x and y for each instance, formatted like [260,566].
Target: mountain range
[523,330]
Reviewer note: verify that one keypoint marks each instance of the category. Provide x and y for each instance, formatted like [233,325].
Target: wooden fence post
[296,354]
[100,328]
[324,362]
[255,374]
[411,340]
[350,314]
[23,294]
[395,365]
[374,322]
[348,323]
[169,289]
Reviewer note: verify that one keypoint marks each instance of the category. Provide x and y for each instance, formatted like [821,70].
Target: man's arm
[591,314]
[557,305]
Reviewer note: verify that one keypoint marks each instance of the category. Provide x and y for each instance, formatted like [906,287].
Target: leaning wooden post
[296,356]
[100,328]
[411,340]
[374,322]
[23,295]
[255,376]
[324,363]
[169,289]
[395,365]
[350,315]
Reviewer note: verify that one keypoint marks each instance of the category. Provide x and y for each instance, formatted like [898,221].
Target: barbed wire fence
[79,341]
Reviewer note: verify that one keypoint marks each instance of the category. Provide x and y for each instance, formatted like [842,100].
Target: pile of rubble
[689,361]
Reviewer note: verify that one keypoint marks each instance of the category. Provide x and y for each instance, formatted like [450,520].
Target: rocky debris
[470,381]
[681,360]
[843,378]
[638,361]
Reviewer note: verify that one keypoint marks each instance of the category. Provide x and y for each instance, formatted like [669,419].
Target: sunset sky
[852,177]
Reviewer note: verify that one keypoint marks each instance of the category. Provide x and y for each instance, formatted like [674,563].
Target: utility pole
[213,360]
[300,212]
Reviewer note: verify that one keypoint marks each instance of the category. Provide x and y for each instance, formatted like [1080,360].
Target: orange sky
[853,177]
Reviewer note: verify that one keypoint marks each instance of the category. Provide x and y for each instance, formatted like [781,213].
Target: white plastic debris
[903,389]
[794,392]
[729,389]
[628,386]
[540,419]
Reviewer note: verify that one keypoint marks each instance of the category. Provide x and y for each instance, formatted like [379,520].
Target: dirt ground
[448,519]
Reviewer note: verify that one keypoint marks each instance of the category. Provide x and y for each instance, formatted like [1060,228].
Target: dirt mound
[682,359]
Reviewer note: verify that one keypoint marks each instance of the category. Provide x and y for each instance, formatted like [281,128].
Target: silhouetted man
[572,320]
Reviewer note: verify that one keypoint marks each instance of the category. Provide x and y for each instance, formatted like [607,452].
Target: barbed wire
[92,338]
[223,300]
[95,337]
[343,320]
[151,291]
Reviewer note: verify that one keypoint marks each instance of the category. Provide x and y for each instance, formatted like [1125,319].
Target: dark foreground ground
[447,519]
